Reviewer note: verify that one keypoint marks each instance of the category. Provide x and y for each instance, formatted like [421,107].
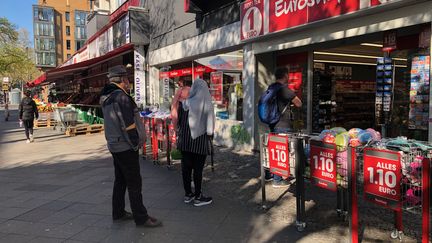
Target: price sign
[251,19]
[323,165]
[172,134]
[278,155]
[382,176]
[160,130]
[147,127]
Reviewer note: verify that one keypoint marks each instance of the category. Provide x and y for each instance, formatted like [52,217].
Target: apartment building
[59,30]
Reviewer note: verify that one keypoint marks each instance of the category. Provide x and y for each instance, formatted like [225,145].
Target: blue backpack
[268,111]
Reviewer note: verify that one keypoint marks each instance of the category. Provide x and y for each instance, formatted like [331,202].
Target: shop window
[67,30]
[222,72]
[68,44]
[361,86]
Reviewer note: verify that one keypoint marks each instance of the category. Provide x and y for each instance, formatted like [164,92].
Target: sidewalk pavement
[58,189]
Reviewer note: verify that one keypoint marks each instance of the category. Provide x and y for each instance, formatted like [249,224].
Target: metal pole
[263,191]
[300,188]
[352,198]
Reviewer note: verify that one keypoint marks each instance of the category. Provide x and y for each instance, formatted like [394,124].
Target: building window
[43,14]
[45,59]
[80,18]
[67,16]
[44,44]
[79,44]
[44,29]
[68,44]
[80,33]
[68,30]
[68,56]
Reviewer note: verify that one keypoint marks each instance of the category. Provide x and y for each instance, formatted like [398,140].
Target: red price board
[323,165]
[216,86]
[160,130]
[278,155]
[147,127]
[172,135]
[382,177]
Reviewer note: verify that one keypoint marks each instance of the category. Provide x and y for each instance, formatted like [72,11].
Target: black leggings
[28,125]
[195,162]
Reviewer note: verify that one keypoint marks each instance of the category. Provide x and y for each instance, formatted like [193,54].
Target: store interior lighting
[354,63]
[353,55]
[372,44]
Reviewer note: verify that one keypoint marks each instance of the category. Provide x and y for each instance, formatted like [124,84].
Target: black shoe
[150,223]
[126,216]
[202,201]
[189,198]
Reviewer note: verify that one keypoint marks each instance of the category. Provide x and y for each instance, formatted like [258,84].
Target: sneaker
[189,198]
[28,141]
[31,138]
[202,201]
[150,223]
[126,216]
[270,178]
[280,184]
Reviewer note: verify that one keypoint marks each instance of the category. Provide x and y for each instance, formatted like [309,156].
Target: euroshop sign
[262,17]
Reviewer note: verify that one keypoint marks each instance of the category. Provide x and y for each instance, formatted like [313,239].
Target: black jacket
[120,112]
[28,109]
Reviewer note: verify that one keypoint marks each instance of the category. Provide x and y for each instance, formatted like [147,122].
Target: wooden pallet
[75,130]
[44,123]
[95,128]
[84,129]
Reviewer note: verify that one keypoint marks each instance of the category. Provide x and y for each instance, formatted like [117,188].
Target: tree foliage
[16,54]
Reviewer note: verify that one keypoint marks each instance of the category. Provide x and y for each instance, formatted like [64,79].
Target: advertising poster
[419,93]
[139,77]
[216,87]
[323,165]
[278,155]
[382,177]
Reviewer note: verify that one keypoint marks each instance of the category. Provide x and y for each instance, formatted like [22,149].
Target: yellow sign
[5,87]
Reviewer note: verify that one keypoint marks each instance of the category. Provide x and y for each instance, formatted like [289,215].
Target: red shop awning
[37,81]
[86,64]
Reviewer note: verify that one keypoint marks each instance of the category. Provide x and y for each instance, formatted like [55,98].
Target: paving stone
[39,188]
[60,217]
[55,205]
[64,231]
[46,240]
[35,215]
[92,234]
[16,238]
[86,219]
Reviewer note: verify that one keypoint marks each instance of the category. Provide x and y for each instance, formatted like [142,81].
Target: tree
[16,54]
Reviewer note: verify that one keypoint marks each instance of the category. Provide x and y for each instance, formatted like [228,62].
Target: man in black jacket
[124,133]
[27,113]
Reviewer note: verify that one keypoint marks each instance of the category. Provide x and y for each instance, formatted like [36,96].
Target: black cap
[117,71]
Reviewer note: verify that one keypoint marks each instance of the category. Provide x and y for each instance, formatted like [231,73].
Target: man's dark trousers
[127,175]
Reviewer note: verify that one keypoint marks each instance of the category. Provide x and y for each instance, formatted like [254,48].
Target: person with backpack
[27,113]
[275,111]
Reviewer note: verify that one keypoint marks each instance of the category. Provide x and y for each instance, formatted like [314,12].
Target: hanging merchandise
[419,93]
[384,90]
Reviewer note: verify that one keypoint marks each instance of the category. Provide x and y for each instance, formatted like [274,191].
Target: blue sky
[19,13]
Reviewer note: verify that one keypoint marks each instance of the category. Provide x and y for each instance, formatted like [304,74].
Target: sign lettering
[323,165]
[382,177]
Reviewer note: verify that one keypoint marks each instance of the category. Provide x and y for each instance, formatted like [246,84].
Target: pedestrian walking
[6,111]
[285,98]
[124,133]
[27,113]
[196,121]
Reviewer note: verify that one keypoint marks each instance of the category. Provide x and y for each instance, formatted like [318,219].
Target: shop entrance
[370,82]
